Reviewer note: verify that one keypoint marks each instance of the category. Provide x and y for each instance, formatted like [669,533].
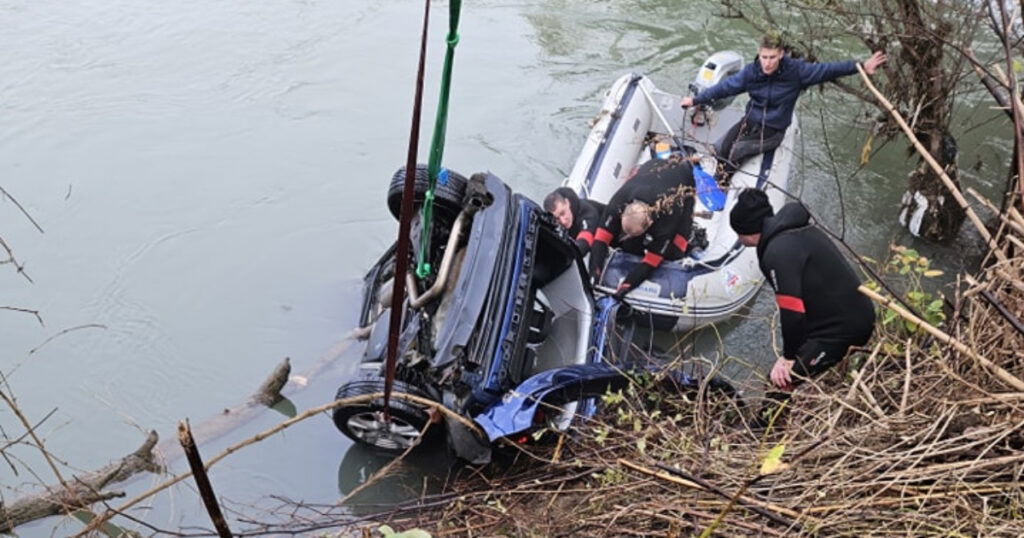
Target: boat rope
[434,171]
[404,223]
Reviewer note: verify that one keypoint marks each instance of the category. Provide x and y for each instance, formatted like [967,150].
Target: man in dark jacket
[821,312]
[579,217]
[773,82]
[651,214]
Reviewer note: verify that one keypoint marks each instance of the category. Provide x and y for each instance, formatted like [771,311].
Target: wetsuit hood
[574,206]
[792,215]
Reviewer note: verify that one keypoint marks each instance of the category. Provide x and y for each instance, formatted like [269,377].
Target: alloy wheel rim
[371,428]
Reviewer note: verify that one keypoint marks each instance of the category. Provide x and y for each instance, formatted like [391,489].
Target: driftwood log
[228,419]
[81,491]
[85,490]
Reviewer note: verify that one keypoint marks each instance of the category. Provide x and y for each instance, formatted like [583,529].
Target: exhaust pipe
[446,262]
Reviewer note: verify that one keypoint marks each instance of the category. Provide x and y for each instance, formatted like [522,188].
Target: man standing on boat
[579,217]
[821,312]
[651,214]
[773,82]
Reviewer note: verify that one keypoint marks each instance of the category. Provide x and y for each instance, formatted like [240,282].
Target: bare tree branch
[66,331]
[27,311]
[17,204]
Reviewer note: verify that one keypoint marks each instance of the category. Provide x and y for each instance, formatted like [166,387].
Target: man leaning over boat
[651,214]
[578,217]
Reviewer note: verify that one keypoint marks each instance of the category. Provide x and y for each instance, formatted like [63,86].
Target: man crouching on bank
[821,312]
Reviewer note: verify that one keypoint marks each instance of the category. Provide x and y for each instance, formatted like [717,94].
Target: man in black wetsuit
[821,312]
[579,217]
[651,214]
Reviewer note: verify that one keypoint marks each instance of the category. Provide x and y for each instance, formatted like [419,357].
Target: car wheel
[447,197]
[364,422]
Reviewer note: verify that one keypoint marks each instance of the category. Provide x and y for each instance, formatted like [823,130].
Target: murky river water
[210,179]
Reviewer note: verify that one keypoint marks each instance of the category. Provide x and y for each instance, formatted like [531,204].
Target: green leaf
[641,445]
[1017,65]
[888,316]
[611,398]
[911,254]
[773,461]
[935,306]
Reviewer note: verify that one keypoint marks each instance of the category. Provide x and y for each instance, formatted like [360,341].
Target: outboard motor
[716,68]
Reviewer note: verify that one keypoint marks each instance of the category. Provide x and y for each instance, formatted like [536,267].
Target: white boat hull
[706,286]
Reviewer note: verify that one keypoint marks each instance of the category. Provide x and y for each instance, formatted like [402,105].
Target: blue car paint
[514,413]
[496,364]
[599,330]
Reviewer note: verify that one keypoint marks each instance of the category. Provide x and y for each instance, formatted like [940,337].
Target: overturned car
[508,306]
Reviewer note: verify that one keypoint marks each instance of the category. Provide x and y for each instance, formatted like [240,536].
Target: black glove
[598,254]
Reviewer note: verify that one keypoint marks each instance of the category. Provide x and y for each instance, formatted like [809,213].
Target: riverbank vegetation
[919,433]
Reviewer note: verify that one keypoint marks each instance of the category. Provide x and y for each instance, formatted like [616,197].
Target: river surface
[210,178]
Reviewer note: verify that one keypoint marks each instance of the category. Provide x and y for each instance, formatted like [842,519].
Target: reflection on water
[423,472]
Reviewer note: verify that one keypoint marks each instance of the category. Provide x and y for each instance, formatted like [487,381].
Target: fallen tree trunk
[88,489]
[81,491]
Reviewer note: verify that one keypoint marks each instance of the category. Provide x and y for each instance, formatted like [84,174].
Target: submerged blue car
[507,313]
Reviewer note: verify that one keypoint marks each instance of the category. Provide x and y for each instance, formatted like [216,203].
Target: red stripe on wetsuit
[791,303]
[603,236]
[652,259]
[586,236]
[680,242]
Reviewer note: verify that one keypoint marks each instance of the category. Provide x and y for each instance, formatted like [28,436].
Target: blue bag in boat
[708,192]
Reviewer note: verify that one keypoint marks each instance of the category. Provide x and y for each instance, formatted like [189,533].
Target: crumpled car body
[507,311]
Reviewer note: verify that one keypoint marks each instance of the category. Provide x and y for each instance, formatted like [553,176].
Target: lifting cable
[405,215]
[434,171]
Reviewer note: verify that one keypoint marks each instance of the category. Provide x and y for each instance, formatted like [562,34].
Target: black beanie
[748,214]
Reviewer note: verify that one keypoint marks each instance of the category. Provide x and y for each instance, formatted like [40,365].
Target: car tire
[447,197]
[364,422]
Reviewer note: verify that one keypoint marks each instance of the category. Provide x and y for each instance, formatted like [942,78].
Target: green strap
[437,143]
